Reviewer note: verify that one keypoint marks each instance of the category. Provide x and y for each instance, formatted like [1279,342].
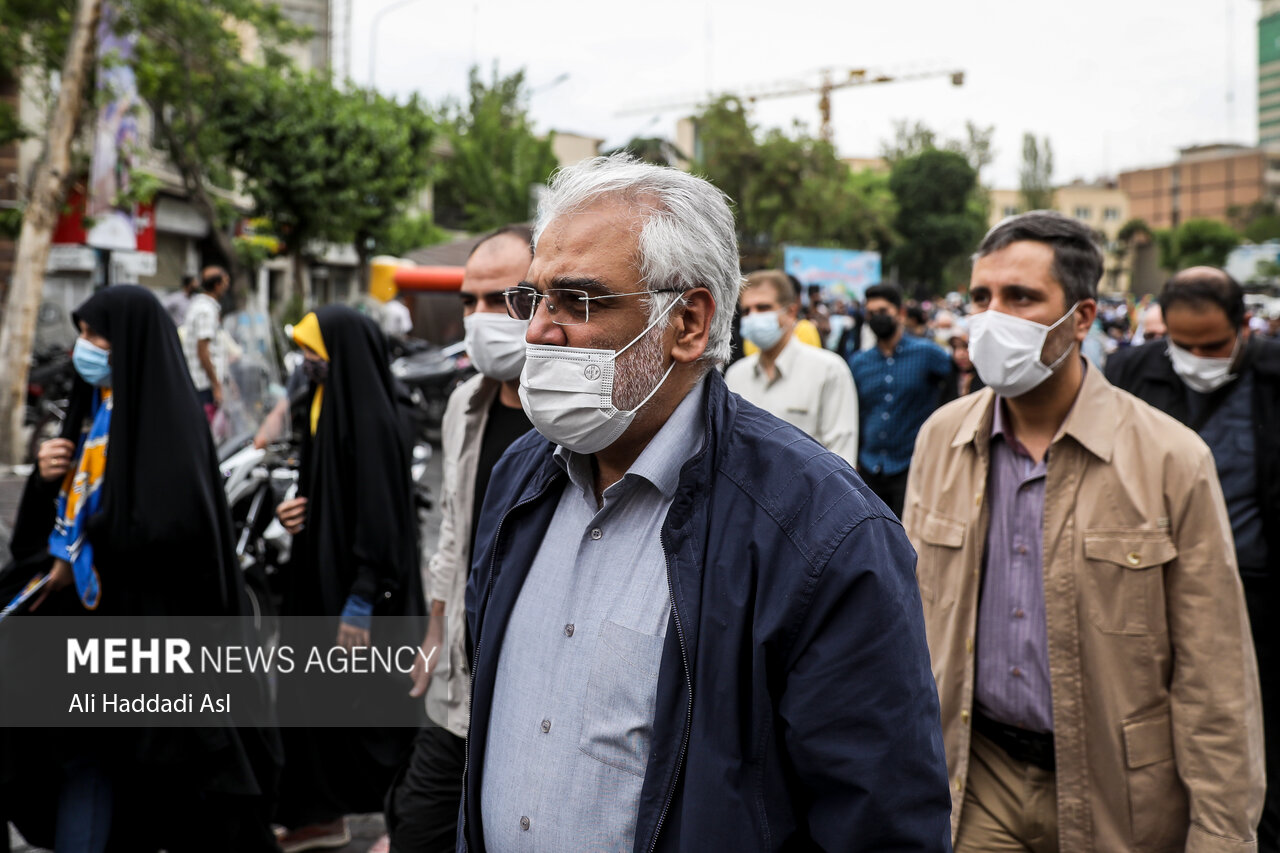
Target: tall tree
[190,54]
[1036,176]
[789,188]
[909,140]
[48,192]
[936,217]
[912,138]
[496,159]
[1196,242]
[321,163]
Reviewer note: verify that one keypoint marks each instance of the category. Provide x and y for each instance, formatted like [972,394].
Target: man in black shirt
[482,419]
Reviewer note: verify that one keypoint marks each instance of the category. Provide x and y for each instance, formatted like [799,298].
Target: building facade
[1205,182]
[1103,206]
[1269,74]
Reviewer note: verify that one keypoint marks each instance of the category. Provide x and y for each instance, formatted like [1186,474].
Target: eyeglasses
[565,307]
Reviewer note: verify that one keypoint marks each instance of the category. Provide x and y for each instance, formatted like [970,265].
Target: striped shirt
[1012,682]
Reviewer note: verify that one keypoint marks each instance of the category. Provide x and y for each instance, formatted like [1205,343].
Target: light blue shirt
[573,704]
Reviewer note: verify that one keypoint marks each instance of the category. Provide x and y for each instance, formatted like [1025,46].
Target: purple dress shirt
[1012,684]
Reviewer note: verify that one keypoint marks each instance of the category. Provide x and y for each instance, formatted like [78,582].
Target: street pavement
[365,829]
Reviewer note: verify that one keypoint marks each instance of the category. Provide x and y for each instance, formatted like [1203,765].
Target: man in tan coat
[1085,619]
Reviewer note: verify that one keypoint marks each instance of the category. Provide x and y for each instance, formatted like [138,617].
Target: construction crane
[831,80]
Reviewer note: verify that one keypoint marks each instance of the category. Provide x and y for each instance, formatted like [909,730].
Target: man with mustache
[695,628]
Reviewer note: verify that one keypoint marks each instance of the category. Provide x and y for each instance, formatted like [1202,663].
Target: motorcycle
[49,382]
[430,373]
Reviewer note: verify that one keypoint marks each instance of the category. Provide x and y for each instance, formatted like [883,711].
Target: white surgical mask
[1005,350]
[495,343]
[761,328]
[567,392]
[1200,373]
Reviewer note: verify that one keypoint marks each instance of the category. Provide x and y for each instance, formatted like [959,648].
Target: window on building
[1110,214]
[1010,210]
[1084,212]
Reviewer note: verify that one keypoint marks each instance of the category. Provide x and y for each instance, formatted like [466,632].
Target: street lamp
[373,36]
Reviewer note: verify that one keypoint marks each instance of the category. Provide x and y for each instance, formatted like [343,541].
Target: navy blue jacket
[796,707]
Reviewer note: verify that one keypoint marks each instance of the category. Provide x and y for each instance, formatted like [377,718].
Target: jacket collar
[786,360]
[1092,420]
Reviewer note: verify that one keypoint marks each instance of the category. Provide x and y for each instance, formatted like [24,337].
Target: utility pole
[48,191]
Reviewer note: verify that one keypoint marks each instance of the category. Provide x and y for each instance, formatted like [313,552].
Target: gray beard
[639,370]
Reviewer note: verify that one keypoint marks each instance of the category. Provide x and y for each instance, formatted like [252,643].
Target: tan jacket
[449,695]
[1157,721]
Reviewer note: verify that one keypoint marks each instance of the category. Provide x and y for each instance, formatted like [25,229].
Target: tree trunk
[48,191]
[302,280]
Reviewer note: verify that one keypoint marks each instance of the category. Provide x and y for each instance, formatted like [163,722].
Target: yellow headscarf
[307,333]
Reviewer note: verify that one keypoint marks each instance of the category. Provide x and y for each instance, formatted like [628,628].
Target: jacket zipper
[475,657]
[688,722]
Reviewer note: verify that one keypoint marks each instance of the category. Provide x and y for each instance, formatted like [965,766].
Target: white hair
[687,238]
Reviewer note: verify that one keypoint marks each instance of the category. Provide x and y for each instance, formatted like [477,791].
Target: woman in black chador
[126,514]
[355,563]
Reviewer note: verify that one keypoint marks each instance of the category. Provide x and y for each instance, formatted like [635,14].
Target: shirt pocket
[941,555]
[621,696]
[1123,581]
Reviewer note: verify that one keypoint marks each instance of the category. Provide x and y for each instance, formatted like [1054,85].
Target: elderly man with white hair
[695,628]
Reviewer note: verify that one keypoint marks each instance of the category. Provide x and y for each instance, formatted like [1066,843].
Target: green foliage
[790,188]
[33,37]
[1133,229]
[1258,222]
[1196,242]
[10,222]
[913,138]
[496,158]
[937,219]
[323,163]
[1036,177]
[409,232]
[1263,228]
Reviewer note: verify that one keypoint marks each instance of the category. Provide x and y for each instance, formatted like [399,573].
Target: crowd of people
[721,565]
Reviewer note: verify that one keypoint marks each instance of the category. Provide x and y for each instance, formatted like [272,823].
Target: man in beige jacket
[1085,619]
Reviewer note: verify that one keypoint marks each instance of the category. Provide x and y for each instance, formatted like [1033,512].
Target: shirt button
[596,533]
[888,398]
[1019,613]
[885,416]
[546,726]
[524,824]
[1022,549]
[1015,672]
[889,379]
[568,630]
[889,360]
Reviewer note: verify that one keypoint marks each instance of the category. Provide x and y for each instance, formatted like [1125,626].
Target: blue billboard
[841,273]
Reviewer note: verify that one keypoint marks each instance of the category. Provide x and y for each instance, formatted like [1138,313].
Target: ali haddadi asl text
[115,703]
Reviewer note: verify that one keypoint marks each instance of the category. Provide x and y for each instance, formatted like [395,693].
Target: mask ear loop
[661,317]
[1069,349]
[649,327]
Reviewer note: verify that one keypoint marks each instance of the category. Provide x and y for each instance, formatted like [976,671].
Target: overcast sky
[1114,84]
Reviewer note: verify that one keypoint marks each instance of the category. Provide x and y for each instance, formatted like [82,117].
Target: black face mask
[883,325]
[317,370]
